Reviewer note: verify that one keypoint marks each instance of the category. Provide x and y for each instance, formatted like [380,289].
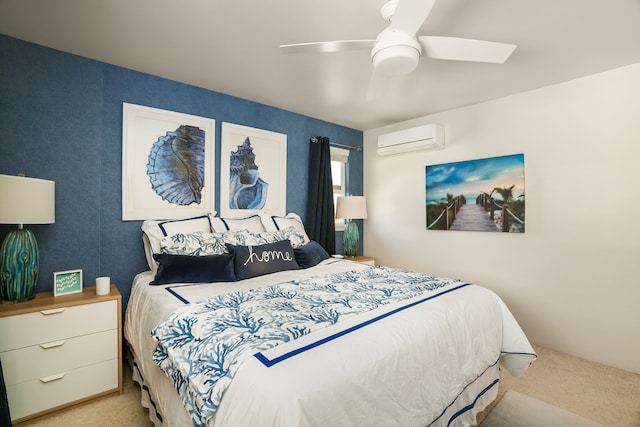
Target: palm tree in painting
[506,193]
[449,198]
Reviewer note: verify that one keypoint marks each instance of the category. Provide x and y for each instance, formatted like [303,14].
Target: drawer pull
[53,344]
[53,311]
[54,377]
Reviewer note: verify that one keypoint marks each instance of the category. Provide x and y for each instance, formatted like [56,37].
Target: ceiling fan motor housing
[395,53]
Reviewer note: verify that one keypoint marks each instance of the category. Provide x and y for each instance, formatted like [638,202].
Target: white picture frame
[67,282]
[146,134]
[270,150]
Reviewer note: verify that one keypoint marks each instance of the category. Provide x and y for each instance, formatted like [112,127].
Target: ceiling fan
[397,50]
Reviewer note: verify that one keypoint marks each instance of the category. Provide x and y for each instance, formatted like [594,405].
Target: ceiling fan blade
[458,49]
[331,46]
[410,15]
[378,86]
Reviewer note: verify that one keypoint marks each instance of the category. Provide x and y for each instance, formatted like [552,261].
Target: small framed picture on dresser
[67,282]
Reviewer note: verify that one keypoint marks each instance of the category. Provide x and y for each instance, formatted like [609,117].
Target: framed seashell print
[253,171]
[168,164]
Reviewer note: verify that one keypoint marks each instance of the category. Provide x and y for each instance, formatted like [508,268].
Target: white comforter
[432,364]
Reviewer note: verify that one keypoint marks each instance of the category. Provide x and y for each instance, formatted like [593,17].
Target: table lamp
[350,208]
[22,201]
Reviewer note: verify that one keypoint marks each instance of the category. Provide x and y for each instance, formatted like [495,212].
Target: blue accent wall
[61,117]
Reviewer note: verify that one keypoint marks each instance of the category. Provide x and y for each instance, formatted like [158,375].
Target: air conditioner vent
[427,137]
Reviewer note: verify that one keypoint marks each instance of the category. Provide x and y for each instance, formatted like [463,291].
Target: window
[340,177]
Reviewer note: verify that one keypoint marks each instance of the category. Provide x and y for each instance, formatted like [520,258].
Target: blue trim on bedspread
[142,382]
[519,353]
[472,404]
[176,294]
[270,362]
[201,346]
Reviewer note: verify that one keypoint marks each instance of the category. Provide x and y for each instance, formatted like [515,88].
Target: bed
[329,342]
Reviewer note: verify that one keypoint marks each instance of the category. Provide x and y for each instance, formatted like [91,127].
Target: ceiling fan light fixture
[396,60]
[387,9]
[397,49]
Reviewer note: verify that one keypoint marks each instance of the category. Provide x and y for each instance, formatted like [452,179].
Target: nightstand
[363,259]
[60,351]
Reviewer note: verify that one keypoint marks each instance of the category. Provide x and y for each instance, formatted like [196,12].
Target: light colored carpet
[597,392]
[519,410]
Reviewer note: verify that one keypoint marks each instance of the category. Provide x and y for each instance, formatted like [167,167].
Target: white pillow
[296,237]
[245,237]
[275,223]
[154,231]
[194,244]
[252,223]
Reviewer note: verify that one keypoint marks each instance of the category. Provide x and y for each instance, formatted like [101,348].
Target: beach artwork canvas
[477,195]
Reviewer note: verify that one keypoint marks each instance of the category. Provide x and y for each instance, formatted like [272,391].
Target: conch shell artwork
[176,166]
[246,189]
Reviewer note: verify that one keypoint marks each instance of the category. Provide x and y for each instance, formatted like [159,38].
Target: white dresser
[363,259]
[60,351]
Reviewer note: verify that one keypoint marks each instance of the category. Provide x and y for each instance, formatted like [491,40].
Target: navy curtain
[320,224]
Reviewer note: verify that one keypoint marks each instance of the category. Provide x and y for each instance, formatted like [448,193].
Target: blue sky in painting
[473,177]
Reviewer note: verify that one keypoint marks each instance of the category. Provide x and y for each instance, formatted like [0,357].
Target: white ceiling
[232,47]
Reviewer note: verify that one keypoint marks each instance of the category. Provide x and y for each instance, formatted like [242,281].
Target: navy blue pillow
[193,269]
[257,260]
[310,254]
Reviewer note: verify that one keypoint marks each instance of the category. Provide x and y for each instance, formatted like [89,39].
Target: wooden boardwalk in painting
[473,218]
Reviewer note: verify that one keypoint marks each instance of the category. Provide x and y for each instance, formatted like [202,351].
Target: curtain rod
[335,144]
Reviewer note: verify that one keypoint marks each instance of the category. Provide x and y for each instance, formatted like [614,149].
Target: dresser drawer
[44,326]
[38,395]
[39,361]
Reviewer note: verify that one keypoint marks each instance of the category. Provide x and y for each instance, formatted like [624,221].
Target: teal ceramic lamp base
[351,239]
[19,259]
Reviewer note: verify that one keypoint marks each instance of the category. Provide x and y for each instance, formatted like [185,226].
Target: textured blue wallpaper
[61,117]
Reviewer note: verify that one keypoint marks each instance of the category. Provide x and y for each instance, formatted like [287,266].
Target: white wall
[572,279]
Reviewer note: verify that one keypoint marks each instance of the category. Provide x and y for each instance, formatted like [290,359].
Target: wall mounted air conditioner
[427,137]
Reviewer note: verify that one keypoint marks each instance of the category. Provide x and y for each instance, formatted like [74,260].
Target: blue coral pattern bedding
[202,345]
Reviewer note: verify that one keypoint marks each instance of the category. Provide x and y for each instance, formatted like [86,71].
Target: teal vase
[19,265]
[351,239]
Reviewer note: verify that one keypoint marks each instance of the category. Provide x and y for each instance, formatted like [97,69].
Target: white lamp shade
[27,200]
[351,207]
